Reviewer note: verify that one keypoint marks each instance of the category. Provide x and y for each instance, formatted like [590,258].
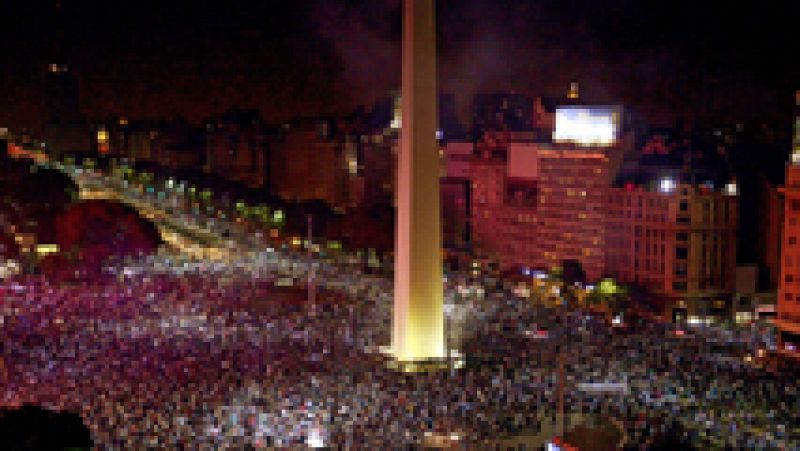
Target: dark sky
[723,61]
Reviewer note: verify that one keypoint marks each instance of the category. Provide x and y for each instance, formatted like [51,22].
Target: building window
[679,286]
[788,296]
[681,236]
[789,278]
[792,240]
[795,205]
[681,253]
[684,205]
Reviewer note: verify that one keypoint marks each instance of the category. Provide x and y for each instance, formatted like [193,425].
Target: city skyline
[144,60]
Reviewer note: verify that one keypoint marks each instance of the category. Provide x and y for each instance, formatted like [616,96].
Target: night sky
[720,61]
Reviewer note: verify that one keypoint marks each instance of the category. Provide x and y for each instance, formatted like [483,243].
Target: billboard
[587,125]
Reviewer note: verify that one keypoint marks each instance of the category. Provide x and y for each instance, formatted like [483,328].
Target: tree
[8,247]
[609,294]
[572,273]
[94,230]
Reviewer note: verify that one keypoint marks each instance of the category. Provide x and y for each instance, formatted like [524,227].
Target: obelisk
[418,327]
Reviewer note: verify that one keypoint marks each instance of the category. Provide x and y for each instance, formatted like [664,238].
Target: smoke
[483,46]
[365,36]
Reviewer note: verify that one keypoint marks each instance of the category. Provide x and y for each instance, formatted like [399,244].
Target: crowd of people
[171,355]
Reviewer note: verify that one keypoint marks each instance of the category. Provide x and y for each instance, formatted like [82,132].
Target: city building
[678,240]
[745,294]
[180,145]
[376,136]
[788,320]
[311,160]
[236,148]
[770,233]
[74,137]
[139,140]
[535,205]
[539,194]
[456,192]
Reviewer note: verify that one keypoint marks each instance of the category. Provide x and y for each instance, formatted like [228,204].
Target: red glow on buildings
[536,205]
[680,244]
[788,321]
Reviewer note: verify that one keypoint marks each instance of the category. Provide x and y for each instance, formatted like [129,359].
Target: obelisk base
[454,360]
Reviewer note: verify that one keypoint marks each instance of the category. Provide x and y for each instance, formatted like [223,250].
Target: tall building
[678,240]
[788,321]
[535,205]
[538,196]
[673,225]
[770,233]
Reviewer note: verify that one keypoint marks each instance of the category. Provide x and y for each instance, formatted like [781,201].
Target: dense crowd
[207,356]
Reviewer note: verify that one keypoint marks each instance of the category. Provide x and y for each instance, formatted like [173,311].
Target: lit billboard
[587,125]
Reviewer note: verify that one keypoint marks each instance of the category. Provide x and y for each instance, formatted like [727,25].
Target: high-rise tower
[788,321]
[418,328]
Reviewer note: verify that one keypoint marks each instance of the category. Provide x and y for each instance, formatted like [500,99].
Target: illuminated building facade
[788,321]
[418,319]
[456,189]
[678,240]
[538,196]
[770,233]
[537,204]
